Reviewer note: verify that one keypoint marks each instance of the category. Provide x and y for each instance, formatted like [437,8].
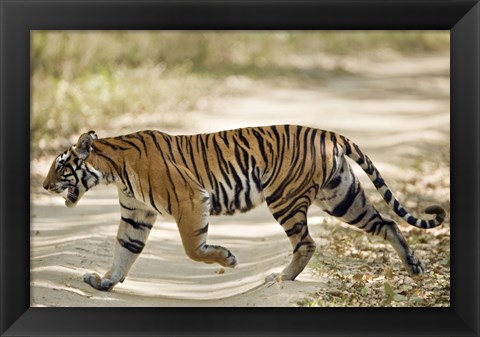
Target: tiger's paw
[230,261]
[277,277]
[273,278]
[415,267]
[97,282]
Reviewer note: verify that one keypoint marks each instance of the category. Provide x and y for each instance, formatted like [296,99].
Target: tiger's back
[236,166]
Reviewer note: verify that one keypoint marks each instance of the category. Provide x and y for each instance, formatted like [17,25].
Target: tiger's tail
[353,151]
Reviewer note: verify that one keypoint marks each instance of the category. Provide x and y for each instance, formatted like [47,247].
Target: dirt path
[392,109]
[163,276]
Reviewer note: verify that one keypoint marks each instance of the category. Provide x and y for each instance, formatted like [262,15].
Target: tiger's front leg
[135,225]
[192,220]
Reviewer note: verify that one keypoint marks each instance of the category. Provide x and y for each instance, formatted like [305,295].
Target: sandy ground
[392,109]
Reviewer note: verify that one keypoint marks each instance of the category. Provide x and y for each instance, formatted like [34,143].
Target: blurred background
[114,80]
[388,91]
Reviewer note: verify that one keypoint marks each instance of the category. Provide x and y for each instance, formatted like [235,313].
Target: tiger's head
[70,174]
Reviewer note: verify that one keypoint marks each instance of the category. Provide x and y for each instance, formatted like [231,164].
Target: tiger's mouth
[72,196]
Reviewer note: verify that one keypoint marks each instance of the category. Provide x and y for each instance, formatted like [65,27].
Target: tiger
[192,177]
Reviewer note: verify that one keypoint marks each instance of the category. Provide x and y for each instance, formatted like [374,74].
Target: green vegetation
[84,80]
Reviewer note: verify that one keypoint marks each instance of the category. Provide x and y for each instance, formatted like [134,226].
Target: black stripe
[127,208]
[333,139]
[280,155]
[261,146]
[224,136]
[179,140]
[358,218]
[202,230]
[222,164]
[243,139]
[374,216]
[302,209]
[378,182]
[115,147]
[192,159]
[137,242]
[302,243]
[215,206]
[285,209]
[238,189]
[348,149]
[298,205]
[323,158]
[312,142]
[411,220]
[130,188]
[215,187]
[275,132]
[182,174]
[347,202]
[295,154]
[305,141]
[114,164]
[296,229]
[167,170]
[334,183]
[150,195]
[242,157]
[401,212]
[203,152]
[131,144]
[238,185]
[134,246]
[224,195]
[137,224]
[140,138]
[256,174]
[363,198]
[388,196]
[84,181]
[73,171]
[361,158]
[169,204]
[287,133]
[333,161]
[92,173]
[166,139]
[375,227]
[370,168]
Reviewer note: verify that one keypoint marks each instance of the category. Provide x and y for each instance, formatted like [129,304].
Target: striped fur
[192,177]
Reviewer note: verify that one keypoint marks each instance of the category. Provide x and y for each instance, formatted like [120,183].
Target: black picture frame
[19,17]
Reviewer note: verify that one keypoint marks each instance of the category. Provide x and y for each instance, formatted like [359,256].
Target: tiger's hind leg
[344,198]
[291,214]
[135,224]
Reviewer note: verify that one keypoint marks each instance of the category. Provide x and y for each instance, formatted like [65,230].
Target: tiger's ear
[93,134]
[84,144]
